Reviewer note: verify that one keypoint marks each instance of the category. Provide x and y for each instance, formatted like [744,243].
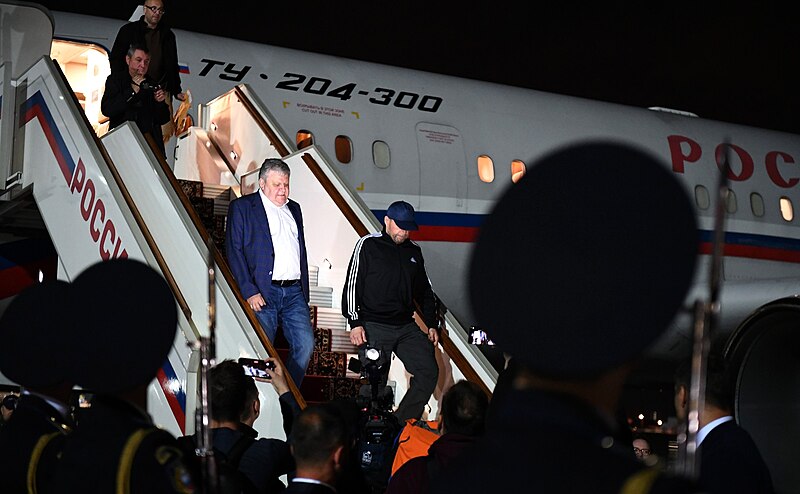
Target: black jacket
[33,419]
[120,104]
[116,441]
[165,70]
[383,282]
[730,462]
[415,474]
[538,441]
[264,461]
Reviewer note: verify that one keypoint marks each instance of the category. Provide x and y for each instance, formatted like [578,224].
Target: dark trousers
[416,352]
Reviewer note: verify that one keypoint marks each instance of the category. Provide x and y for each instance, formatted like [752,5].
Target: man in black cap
[596,248]
[35,353]
[385,278]
[127,327]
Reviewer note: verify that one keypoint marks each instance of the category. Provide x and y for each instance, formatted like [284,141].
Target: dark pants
[416,352]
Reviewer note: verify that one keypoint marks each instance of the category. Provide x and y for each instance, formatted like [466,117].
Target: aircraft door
[443,168]
[25,35]
[763,353]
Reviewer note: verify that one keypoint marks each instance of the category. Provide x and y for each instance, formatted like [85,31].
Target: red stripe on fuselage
[445,234]
[754,252]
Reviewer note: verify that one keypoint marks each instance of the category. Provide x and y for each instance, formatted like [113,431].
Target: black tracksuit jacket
[383,282]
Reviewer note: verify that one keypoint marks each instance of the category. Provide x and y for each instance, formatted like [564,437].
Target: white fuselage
[440,132]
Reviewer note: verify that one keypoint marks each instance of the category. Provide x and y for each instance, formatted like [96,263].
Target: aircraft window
[344,149]
[757,204]
[304,139]
[485,168]
[701,197]
[787,210]
[730,205]
[517,170]
[380,154]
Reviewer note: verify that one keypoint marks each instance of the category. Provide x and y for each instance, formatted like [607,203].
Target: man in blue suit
[266,251]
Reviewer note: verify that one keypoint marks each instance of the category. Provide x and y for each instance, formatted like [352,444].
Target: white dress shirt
[285,241]
[703,432]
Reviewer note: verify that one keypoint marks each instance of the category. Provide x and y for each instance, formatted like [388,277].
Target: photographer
[131,96]
[235,406]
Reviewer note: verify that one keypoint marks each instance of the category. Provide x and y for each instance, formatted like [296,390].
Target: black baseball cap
[403,215]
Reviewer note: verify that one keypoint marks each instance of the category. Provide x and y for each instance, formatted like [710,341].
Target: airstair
[110,197]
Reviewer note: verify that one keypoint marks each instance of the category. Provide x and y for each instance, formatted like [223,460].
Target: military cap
[35,331]
[584,262]
[128,324]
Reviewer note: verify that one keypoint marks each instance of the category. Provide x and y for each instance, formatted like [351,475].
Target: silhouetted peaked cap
[128,324]
[35,331]
[584,262]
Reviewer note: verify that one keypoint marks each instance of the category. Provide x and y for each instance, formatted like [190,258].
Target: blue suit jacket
[248,244]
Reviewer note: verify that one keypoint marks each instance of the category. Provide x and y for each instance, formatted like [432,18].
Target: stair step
[340,342]
[330,364]
[313,275]
[221,194]
[322,339]
[331,318]
[322,389]
[321,296]
[326,364]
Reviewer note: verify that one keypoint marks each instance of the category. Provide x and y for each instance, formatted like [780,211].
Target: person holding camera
[152,31]
[385,279]
[251,464]
[131,96]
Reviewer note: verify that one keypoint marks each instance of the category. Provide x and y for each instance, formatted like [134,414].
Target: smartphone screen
[256,368]
[479,337]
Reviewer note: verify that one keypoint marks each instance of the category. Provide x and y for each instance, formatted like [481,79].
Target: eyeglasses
[641,451]
[155,10]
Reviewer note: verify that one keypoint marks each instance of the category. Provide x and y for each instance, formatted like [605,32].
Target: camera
[378,427]
[375,398]
[256,368]
[149,86]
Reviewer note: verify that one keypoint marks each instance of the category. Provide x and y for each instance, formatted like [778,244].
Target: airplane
[452,146]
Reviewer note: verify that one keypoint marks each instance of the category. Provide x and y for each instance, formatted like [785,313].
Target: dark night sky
[736,63]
